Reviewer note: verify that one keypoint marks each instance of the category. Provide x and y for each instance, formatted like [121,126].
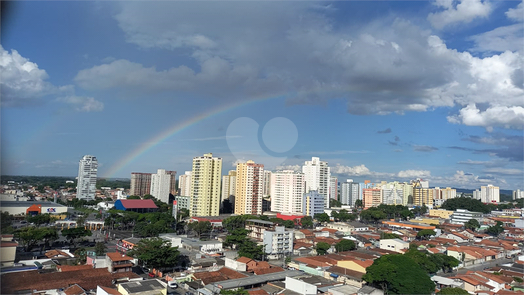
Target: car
[152,275]
[172,284]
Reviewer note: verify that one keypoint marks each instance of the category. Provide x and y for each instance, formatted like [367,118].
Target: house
[241,264]
[117,262]
[396,245]
[460,238]
[106,291]
[368,290]
[356,264]
[443,282]
[7,250]
[75,290]
[473,283]
[345,276]
[154,286]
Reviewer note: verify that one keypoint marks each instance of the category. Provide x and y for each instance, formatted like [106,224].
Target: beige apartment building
[372,197]
[229,184]
[249,188]
[140,184]
[205,186]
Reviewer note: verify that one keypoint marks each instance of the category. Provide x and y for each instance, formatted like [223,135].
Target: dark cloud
[388,130]
[424,148]
[510,147]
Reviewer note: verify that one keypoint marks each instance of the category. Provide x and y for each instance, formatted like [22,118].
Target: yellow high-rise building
[249,188]
[205,186]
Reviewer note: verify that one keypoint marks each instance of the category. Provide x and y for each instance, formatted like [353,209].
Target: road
[477,267]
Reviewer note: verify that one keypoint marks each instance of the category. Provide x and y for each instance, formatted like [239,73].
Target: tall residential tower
[205,186]
[317,176]
[87,170]
[249,188]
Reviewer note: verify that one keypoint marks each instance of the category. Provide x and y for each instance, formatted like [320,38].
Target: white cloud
[516,14]
[500,39]
[456,12]
[360,170]
[297,168]
[504,171]
[82,104]
[413,174]
[507,117]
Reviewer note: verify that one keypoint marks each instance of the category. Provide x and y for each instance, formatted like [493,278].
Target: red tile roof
[115,256]
[64,268]
[111,291]
[263,271]
[74,290]
[244,259]
[257,292]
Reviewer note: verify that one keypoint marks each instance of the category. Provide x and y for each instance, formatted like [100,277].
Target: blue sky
[392,90]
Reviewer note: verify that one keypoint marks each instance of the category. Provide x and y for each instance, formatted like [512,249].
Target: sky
[381,90]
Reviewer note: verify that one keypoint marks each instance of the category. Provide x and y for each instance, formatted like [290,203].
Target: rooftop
[253,280]
[29,203]
[143,286]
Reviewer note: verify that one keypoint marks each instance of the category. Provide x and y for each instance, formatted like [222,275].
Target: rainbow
[157,139]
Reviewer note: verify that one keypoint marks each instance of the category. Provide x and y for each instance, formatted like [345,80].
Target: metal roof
[253,280]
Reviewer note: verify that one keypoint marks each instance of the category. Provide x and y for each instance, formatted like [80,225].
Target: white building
[317,176]
[396,245]
[278,241]
[182,202]
[392,194]
[287,189]
[313,203]
[87,172]
[229,184]
[489,194]
[462,216]
[160,185]
[184,184]
[349,192]
[518,194]
[267,184]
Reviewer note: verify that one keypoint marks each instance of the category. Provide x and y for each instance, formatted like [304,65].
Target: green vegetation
[383,211]
[75,233]
[156,253]
[6,223]
[322,217]
[384,236]
[334,203]
[307,222]
[518,280]
[31,236]
[41,181]
[40,219]
[345,245]
[240,291]
[81,256]
[289,223]
[249,249]
[100,249]
[235,222]
[453,291]
[425,234]
[143,224]
[200,228]
[359,204]
[496,229]
[472,224]
[343,215]
[322,248]
[102,182]
[398,274]
[474,205]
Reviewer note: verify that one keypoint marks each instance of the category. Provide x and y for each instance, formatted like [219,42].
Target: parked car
[172,284]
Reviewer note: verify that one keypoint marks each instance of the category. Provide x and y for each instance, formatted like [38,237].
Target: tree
[322,248]
[156,253]
[307,222]
[425,233]
[6,222]
[345,245]
[398,274]
[100,249]
[74,233]
[384,236]
[322,217]
[240,291]
[359,204]
[236,238]
[81,255]
[472,224]
[496,229]
[234,222]
[250,249]
[465,203]
[133,198]
[200,227]
[49,234]
[289,224]
[334,203]
[30,236]
[372,215]
[453,291]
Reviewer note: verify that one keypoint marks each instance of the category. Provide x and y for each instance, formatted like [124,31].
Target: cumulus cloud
[23,83]
[297,168]
[516,14]
[413,174]
[360,170]
[507,117]
[456,12]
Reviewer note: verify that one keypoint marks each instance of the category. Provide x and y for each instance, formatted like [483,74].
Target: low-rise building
[144,287]
[278,241]
[7,250]
[461,216]
[441,213]
[396,245]
[258,227]
[208,247]
[117,262]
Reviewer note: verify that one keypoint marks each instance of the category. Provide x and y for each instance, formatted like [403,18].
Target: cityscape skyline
[380,91]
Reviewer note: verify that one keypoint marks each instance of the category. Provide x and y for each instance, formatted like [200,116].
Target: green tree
[453,291]
[472,224]
[322,248]
[156,253]
[75,233]
[384,236]
[345,245]
[133,198]
[398,274]
[334,203]
[240,291]
[235,222]
[496,229]
[30,236]
[322,217]
[250,249]
[465,203]
[359,204]
[426,233]
[276,220]
[80,255]
[201,227]
[236,238]
[307,222]
[372,215]
[6,222]
[40,219]
[100,249]
[49,234]
[289,224]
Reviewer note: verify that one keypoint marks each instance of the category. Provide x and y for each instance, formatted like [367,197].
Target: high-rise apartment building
[184,184]
[287,190]
[140,184]
[229,183]
[87,172]
[317,176]
[267,184]
[312,204]
[333,188]
[489,194]
[205,186]
[392,194]
[518,194]
[249,188]
[349,192]
[161,185]
[172,184]
[372,197]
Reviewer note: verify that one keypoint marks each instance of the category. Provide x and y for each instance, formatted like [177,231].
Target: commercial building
[229,184]
[462,216]
[278,241]
[140,184]
[249,188]
[161,185]
[184,184]
[140,206]
[317,176]
[32,207]
[87,173]
[312,203]
[205,186]
[287,189]
[441,213]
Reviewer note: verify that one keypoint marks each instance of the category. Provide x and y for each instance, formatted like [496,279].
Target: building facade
[317,176]
[267,184]
[489,194]
[372,197]
[161,185]
[87,174]
[312,203]
[140,184]
[205,186]
[278,241]
[229,184]
[184,184]
[333,188]
[287,189]
[249,188]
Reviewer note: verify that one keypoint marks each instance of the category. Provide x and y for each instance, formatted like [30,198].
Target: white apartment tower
[87,170]
[489,194]
[205,186]
[161,185]
[287,190]
[184,184]
[317,176]
[349,192]
[229,183]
